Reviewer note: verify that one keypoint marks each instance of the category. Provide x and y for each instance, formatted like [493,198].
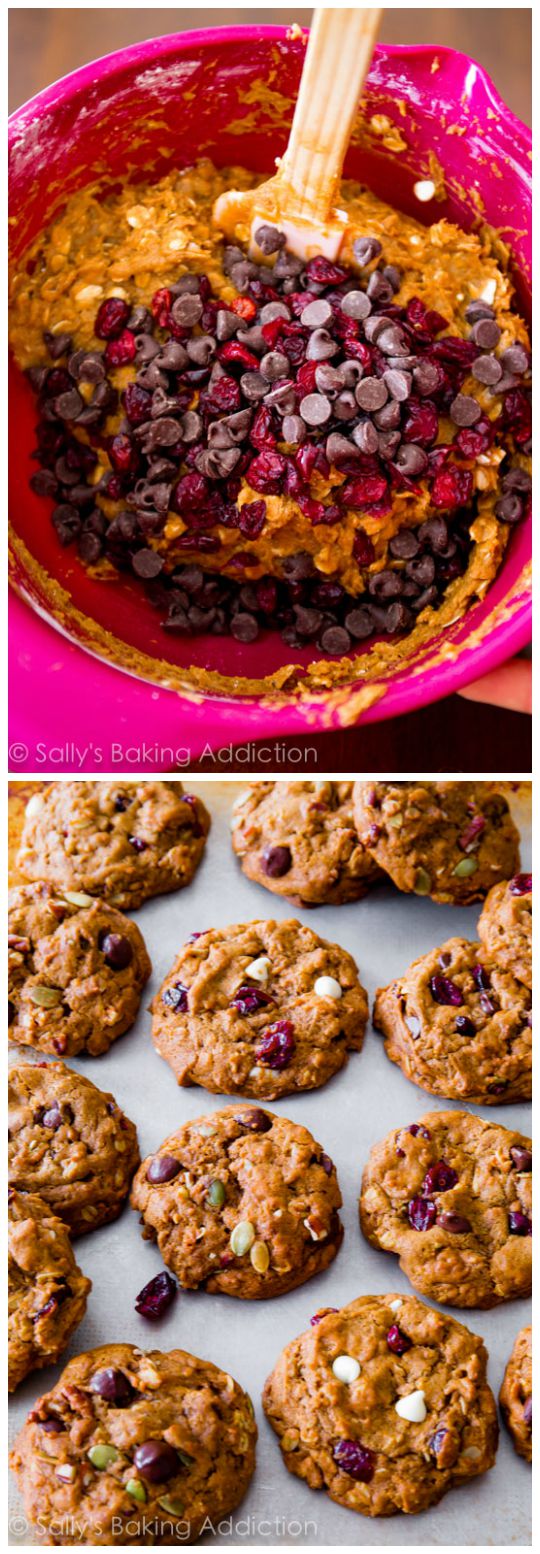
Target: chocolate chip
[156,1461]
[140,321]
[187,310]
[359,622]
[87,366]
[486,369]
[398,383]
[293,429]
[68,406]
[434,533]
[516,479]
[308,621]
[227,324]
[269,239]
[371,393]
[57,344]
[486,334]
[328,379]
[52,1117]
[253,385]
[390,341]
[273,310]
[147,563]
[345,407]
[477,310]
[350,373]
[388,444]
[117,951]
[274,365]
[398,618]
[356,304]
[287,266]
[147,349]
[315,409]
[515,359]
[242,273]
[366,437]
[365,249]
[244,627]
[379,289]
[426,377]
[320,346]
[393,276]
[316,313]
[465,410]
[113,1386]
[276,861]
[190,429]
[376,326]
[338,448]
[404,545]
[411,460]
[335,640]
[389,417]
[163,1168]
[385,584]
[201,350]
[510,508]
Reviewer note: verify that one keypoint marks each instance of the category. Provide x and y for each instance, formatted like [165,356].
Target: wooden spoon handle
[338,56]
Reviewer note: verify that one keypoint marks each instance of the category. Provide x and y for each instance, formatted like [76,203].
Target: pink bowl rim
[511,635]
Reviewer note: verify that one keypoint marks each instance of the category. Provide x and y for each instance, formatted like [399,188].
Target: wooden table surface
[49,42]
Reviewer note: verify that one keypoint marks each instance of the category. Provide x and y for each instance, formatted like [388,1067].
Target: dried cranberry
[481,978]
[272,331]
[323,273]
[138,844]
[439,1178]
[234,351]
[519,1224]
[470,836]
[123,454]
[356,1460]
[224,394]
[422,1213]
[249,999]
[121,350]
[418,1131]
[364,491]
[326,1311]
[521,885]
[161,306]
[138,404]
[363,548]
[277,1045]
[176,997]
[111,318]
[306,378]
[421,423]
[452,488]
[464,1026]
[261,434]
[156,1297]
[444,991]
[398,1341]
[266,473]
[252,519]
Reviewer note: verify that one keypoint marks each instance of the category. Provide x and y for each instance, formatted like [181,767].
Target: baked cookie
[260,1009]
[505,926]
[384,1404]
[135,1448]
[46,1290]
[515,1396]
[69,1142]
[77,968]
[299,839]
[123,841]
[448,840]
[458,1026]
[241,1202]
[451,1195]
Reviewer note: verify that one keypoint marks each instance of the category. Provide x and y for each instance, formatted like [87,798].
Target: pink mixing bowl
[76,703]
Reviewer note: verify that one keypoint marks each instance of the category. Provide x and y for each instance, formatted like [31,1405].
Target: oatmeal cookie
[135,1448]
[123,841]
[46,1290]
[299,840]
[259,1009]
[505,926]
[515,1396]
[77,968]
[448,840]
[458,1026]
[70,1143]
[451,1195]
[384,1404]
[241,1202]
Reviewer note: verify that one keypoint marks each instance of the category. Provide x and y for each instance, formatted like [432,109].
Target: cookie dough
[46,1290]
[135,1448]
[505,926]
[515,1396]
[385,1405]
[123,841]
[77,968]
[69,1142]
[259,1009]
[458,1026]
[299,840]
[451,1195]
[448,840]
[241,1202]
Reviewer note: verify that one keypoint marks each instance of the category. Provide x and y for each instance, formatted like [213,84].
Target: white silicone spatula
[301,196]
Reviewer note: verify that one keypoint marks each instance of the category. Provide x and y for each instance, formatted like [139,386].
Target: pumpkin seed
[242,1238]
[216,1194]
[168,1503]
[422,882]
[464,867]
[259,1257]
[45,997]
[136,1489]
[101,1456]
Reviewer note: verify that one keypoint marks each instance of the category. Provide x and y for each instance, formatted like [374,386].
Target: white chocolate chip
[395,1305]
[346,1368]
[34,806]
[259,970]
[424,189]
[412,1407]
[327,987]
[488,291]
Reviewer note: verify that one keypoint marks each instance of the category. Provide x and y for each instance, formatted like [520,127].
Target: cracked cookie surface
[299,840]
[46,1289]
[515,1396]
[70,1143]
[505,926]
[259,1009]
[451,1195]
[448,840]
[123,841]
[458,1026]
[241,1202]
[77,968]
[384,1404]
[137,1448]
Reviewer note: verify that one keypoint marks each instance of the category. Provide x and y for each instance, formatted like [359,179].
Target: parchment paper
[384,932]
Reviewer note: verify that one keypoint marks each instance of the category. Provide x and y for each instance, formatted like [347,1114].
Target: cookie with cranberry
[135,1448]
[259,1009]
[241,1202]
[77,968]
[448,840]
[505,926]
[451,1196]
[122,841]
[384,1404]
[46,1290]
[515,1396]
[458,1026]
[299,840]
[70,1143]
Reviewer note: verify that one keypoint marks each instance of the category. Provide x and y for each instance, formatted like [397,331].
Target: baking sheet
[384,932]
